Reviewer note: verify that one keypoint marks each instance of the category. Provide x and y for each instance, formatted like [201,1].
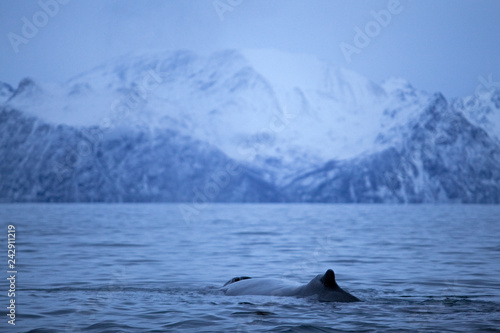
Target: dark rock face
[42,162]
[442,158]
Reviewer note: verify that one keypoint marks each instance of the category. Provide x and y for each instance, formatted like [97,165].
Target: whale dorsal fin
[328,279]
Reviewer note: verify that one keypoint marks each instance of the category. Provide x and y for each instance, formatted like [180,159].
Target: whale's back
[261,286]
[323,286]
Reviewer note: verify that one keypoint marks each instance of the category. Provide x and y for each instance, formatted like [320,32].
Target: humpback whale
[323,286]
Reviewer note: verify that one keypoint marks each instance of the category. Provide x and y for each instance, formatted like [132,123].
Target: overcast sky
[437,45]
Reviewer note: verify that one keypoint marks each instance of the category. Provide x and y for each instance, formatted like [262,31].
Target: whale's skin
[323,286]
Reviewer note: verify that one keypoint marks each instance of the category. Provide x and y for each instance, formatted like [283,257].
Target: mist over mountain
[244,126]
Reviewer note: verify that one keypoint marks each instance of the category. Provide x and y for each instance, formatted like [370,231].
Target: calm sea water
[142,268]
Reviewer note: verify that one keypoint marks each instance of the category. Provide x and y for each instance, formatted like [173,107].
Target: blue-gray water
[141,267]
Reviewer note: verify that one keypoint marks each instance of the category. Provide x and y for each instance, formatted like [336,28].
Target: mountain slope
[229,99]
[6,92]
[442,158]
[42,162]
[483,110]
[158,126]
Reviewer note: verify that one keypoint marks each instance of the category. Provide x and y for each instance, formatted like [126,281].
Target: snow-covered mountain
[441,157]
[5,92]
[483,110]
[61,163]
[159,126]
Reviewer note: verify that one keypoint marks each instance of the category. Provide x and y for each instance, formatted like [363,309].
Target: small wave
[256,233]
[105,288]
[191,324]
[59,312]
[304,329]
[258,313]
[107,244]
[110,325]
[40,330]
[31,316]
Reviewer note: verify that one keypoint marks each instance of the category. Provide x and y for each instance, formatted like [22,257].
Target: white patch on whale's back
[260,286]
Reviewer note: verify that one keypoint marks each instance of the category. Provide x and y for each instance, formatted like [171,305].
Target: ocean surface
[148,268]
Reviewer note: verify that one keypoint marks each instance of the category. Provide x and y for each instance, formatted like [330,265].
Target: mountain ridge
[300,129]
